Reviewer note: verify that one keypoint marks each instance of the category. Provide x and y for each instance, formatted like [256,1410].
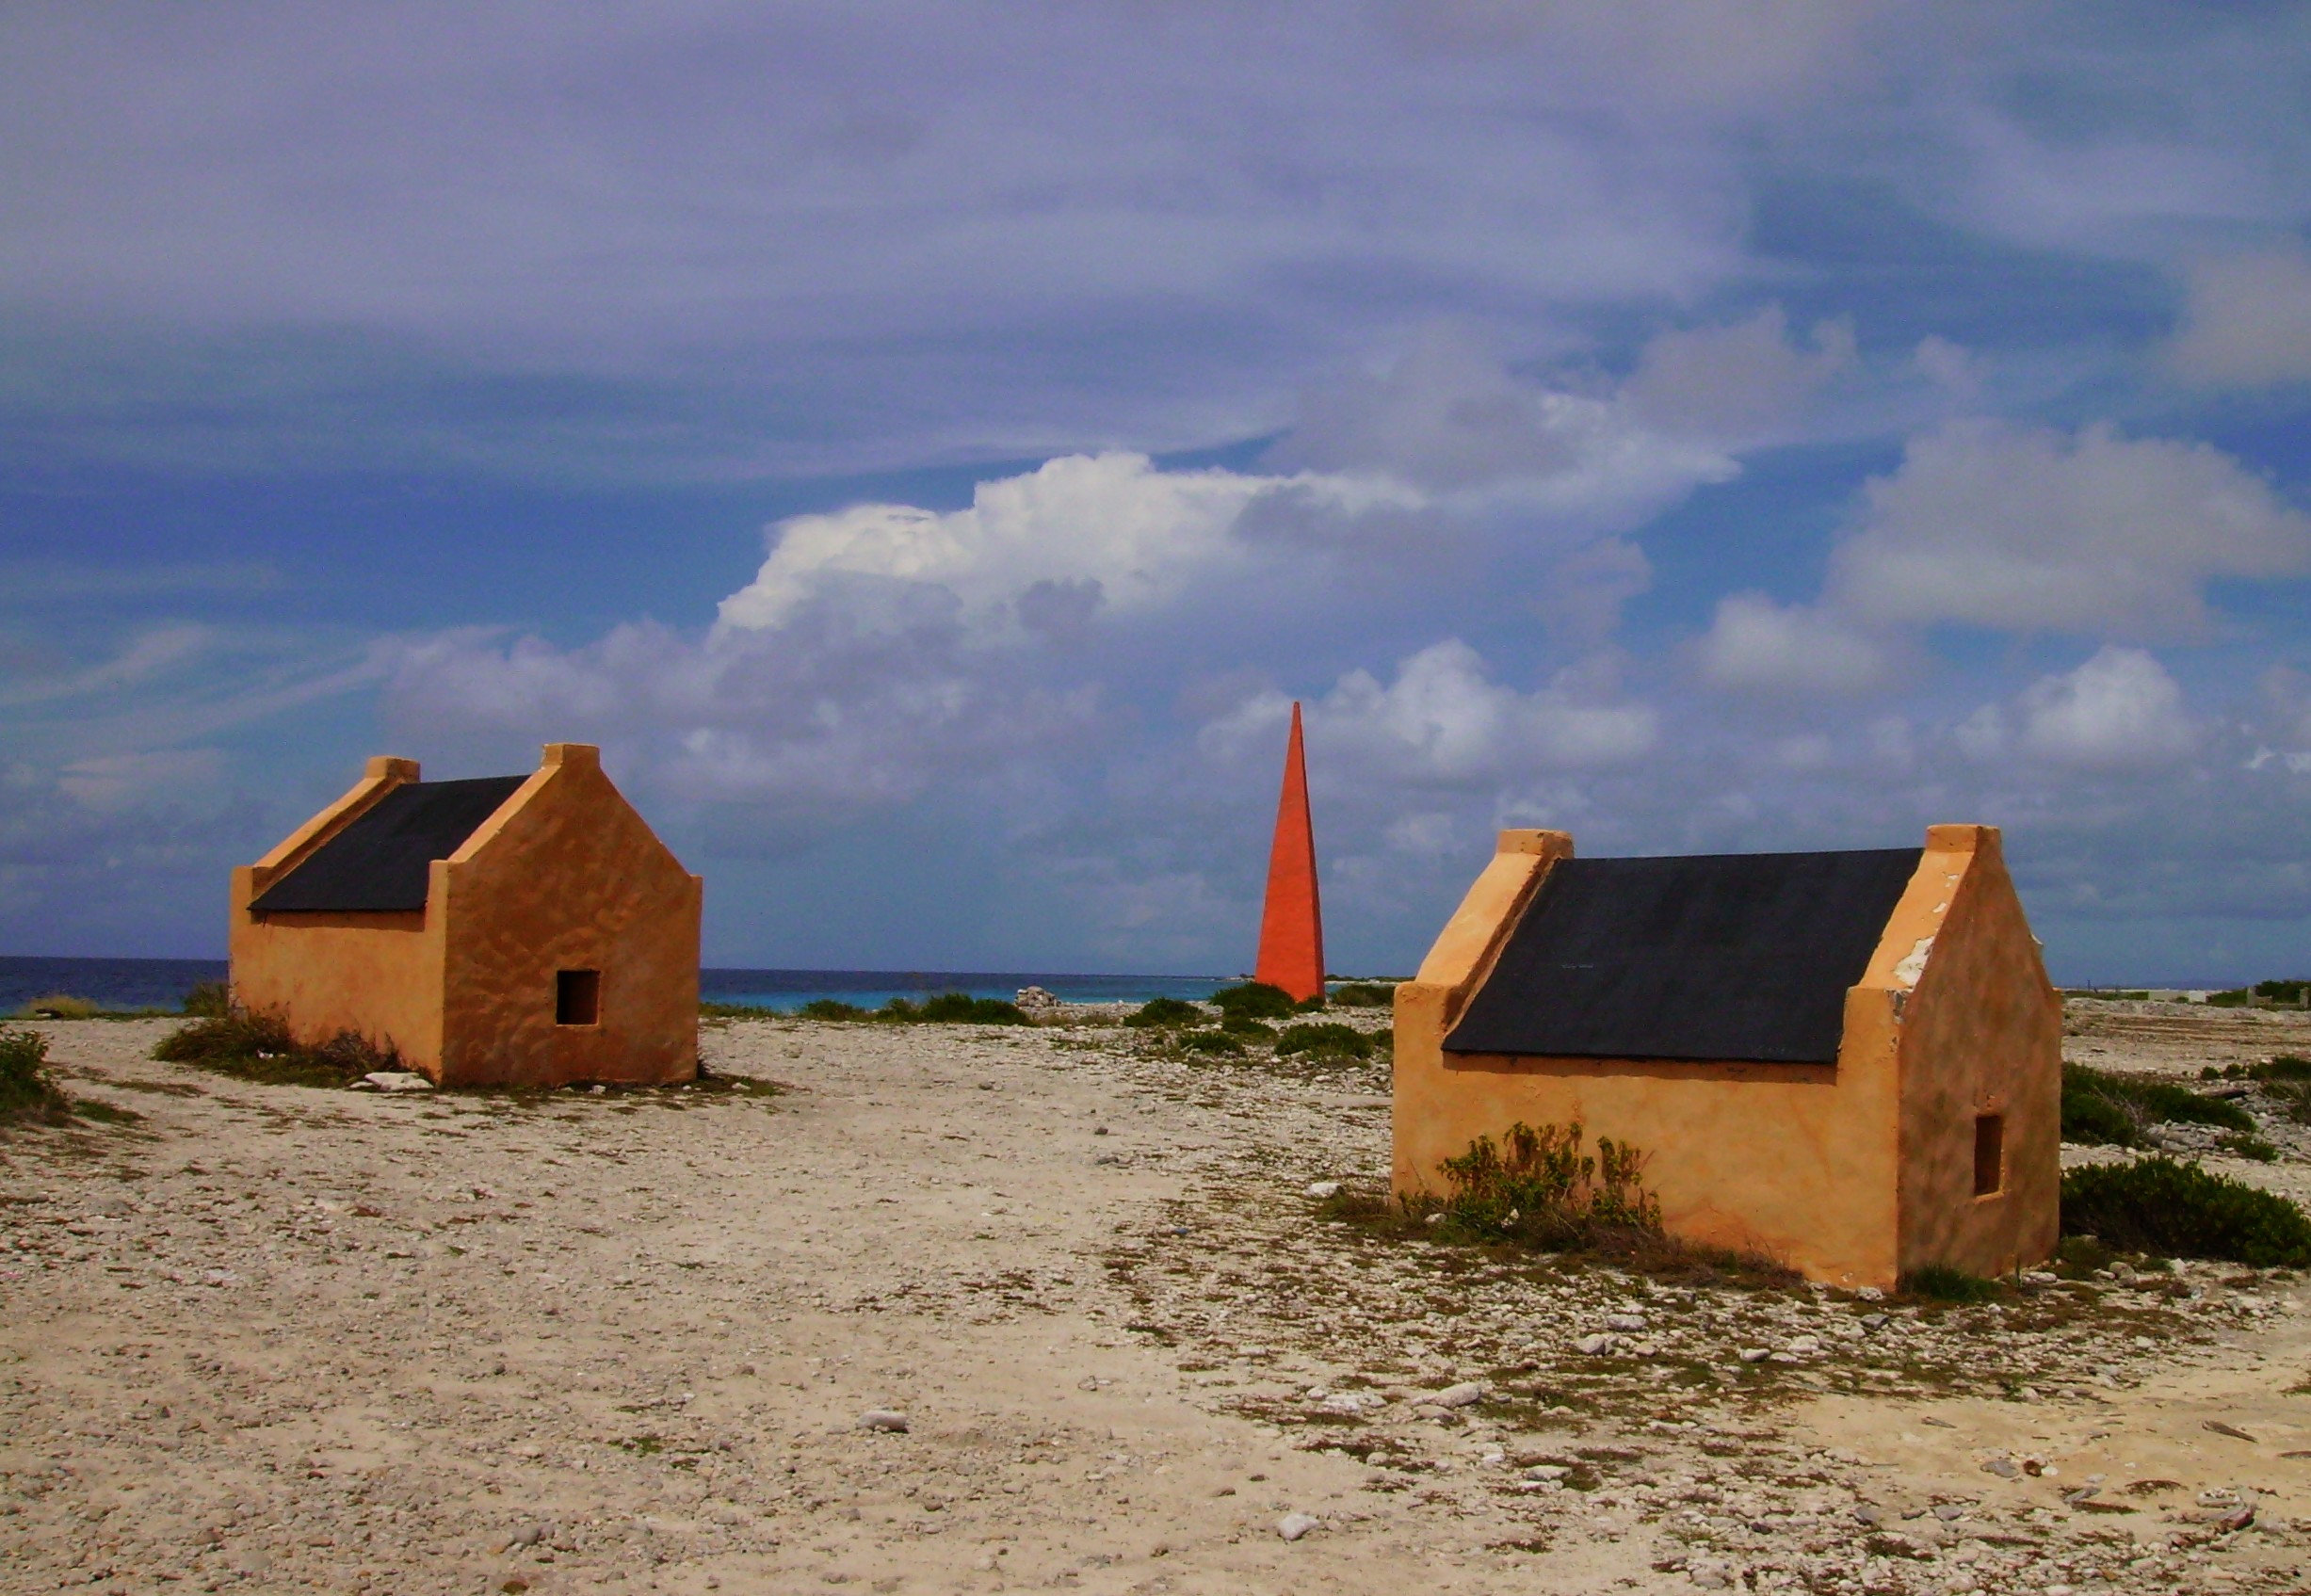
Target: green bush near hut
[1166,1014]
[1255,1000]
[2179,1209]
[2100,1108]
[1324,1038]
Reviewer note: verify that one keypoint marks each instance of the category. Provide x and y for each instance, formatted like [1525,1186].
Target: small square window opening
[1989,1154]
[577,997]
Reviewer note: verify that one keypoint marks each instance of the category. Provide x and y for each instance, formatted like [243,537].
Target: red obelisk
[1292,925]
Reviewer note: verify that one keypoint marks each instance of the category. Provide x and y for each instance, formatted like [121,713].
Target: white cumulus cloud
[2247,320]
[2044,531]
[1738,383]
[1139,534]
[2118,711]
[1757,646]
[1445,722]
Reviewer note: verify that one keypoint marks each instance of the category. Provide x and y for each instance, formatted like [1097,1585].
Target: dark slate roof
[1737,955]
[378,863]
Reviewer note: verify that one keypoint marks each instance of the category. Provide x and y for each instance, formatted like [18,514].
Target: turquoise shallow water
[162,983]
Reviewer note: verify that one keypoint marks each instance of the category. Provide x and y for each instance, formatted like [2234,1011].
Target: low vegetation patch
[29,1097]
[259,1047]
[2180,1210]
[64,1006]
[209,1000]
[711,1011]
[1223,1043]
[1323,1038]
[1938,1283]
[59,1006]
[2285,1080]
[954,1007]
[2102,1108]
[1166,1013]
[26,1093]
[2286,1067]
[1537,1187]
[2287,992]
[946,1007]
[1257,1000]
[1363,994]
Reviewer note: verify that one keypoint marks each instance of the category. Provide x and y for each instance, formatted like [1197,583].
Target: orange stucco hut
[1850,1061]
[510,930]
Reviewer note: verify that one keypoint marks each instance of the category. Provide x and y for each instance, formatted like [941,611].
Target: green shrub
[1165,1013]
[1938,1283]
[1324,1038]
[2229,999]
[1210,1042]
[2081,1254]
[711,1011]
[2099,1107]
[260,1047]
[2252,1147]
[1255,1000]
[208,999]
[2292,1099]
[2091,1113]
[2286,1067]
[59,1006]
[1538,1187]
[945,1009]
[830,1008]
[2179,1209]
[962,1009]
[1245,1027]
[1363,994]
[2281,991]
[26,1090]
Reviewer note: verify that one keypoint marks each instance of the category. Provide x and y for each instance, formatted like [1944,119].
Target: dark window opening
[577,997]
[1988,1154]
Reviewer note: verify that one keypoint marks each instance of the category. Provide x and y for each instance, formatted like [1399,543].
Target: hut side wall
[568,877]
[378,975]
[1983,1035]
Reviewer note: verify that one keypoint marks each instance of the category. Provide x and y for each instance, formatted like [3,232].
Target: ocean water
[111,983]
[162,983]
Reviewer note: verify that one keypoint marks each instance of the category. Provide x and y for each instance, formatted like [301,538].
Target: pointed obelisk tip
[1292,922]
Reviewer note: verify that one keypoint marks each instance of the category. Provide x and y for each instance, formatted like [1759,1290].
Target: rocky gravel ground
[951,1309]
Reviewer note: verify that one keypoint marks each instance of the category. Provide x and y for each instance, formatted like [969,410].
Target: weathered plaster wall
[1983,1035]
[378,975]
[567,875]
[1851,1173]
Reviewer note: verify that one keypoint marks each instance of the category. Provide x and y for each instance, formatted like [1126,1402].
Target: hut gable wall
[1981,1038]
[377,975]
[567,877]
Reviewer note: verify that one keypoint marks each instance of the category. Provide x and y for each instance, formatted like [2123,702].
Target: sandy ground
[281,1339]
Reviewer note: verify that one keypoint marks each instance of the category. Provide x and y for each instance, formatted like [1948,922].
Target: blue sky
[930,449]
